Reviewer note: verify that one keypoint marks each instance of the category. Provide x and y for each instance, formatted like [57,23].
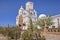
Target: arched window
[58,30]
[54,30]
[24,24]
[48,30]
[51,30]
[19,25]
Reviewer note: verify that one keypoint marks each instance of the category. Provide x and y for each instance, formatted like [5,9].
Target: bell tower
[19,18]
[29,5]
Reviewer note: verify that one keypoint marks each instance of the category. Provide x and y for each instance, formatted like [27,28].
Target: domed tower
[29,5]
[24,16]
[31,11]
[21,10]
[19,18]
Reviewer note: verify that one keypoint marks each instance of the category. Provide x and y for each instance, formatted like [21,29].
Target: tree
[31,33]
[43,22]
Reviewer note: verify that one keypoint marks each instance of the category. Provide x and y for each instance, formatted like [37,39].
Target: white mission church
[24,16]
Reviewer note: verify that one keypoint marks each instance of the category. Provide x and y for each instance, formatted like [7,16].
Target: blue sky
[9,9]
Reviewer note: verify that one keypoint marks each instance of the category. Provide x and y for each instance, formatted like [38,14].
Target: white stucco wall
[55,20]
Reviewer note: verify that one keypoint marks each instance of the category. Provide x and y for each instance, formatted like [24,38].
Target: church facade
[24,15]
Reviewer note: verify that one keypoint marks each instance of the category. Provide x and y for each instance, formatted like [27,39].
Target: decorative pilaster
[58,23]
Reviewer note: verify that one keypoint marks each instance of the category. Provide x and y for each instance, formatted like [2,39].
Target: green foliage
[49,21]
[31,25]
[28,35]
[9,31]
[41,22]
[31,34]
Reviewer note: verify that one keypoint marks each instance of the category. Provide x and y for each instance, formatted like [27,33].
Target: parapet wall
[53,31]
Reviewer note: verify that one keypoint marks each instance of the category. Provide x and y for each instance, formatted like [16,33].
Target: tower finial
[21,7]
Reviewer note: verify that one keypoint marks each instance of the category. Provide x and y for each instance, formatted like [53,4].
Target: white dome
[42,16]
